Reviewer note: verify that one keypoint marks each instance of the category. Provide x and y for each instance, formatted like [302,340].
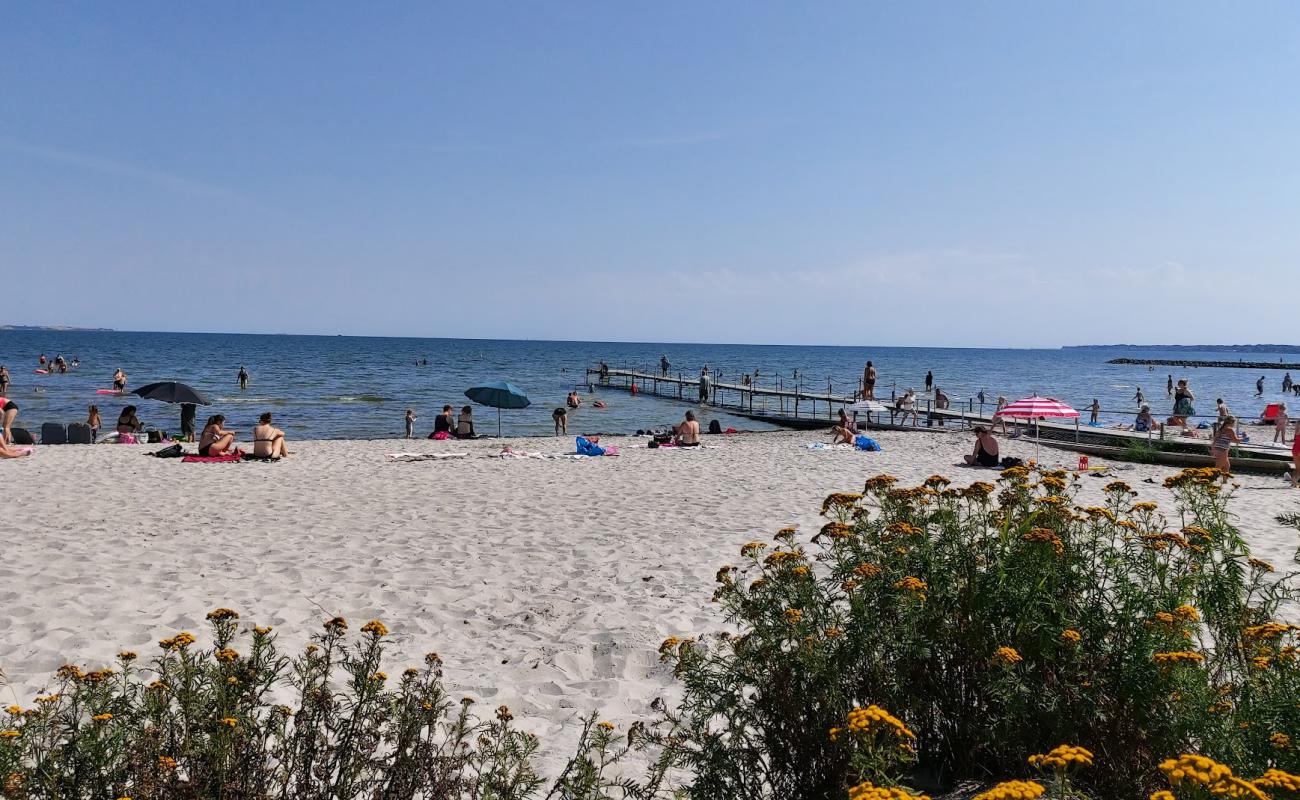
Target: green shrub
[996,622]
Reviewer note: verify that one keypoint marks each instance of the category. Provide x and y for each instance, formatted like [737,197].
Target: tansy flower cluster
[870,791]
[872,720]
[1198,773]
[1007,655]
[1012,790]
[1062,757]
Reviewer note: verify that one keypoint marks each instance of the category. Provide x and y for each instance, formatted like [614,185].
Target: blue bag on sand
[586,448]
[866,443]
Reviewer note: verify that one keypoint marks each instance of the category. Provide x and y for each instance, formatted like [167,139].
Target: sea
[358,387]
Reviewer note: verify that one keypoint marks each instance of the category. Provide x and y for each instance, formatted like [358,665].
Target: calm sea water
[360,387]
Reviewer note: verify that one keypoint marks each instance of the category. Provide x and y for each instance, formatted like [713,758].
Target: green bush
[996,622]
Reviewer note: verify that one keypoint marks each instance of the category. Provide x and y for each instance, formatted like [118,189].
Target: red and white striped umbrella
[1036,407]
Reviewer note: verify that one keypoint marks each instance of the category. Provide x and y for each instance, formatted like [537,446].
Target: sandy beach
[544,584]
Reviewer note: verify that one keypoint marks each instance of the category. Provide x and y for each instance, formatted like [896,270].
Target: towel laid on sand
[228,458]
[424,456]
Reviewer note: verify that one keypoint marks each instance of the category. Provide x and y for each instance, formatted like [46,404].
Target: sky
[859,173]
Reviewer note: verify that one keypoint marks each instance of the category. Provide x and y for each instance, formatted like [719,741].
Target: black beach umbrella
[173,392]
[499,395]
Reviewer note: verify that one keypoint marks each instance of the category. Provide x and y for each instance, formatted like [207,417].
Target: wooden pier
[797,407]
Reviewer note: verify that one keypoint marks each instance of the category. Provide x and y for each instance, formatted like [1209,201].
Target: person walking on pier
[705,382]
[929,381]
[869,382]
[1093,410]
[1259,387]
[664,365]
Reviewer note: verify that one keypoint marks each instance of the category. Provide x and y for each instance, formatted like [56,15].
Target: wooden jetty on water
[798,407]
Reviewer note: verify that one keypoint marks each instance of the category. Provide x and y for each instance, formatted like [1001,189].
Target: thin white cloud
[107,166]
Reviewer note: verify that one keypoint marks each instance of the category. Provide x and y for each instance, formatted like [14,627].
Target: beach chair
[79,433]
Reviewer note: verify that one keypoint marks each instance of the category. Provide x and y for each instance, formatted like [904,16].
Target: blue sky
[841,173]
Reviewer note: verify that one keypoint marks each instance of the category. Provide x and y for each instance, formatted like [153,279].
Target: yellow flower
[166,762]
[1012,790]
[128,655]
[801,571]
[226,655]
[840,500]
[229,722]
[222,614]
[1178,657]
[1277,779]
[1045,536]
[9,734]
[15,710]
[1199,773]
[1188,613]
[751,548]
[793,615]
[1062,757]
[1007,656]
[1261,565]
[870,791]
[179,641]
[337,625]
[261,630]
[101,717]
[1163,794]
[375,628]
[1071,636]
[605,726]
[379,677]
[1280,740]
[1144,506]
[879,482]
[874,720]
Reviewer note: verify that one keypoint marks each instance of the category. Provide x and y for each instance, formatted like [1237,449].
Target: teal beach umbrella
[499,395]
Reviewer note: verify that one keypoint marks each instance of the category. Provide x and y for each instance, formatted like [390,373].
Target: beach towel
[587,448]
[228,458]
[866,443]
[828,446]
[425,456]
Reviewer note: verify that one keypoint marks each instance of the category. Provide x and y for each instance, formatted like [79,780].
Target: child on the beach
[93,420]
[410,423]
[1280,423]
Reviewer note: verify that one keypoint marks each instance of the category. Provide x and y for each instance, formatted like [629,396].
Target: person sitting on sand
[561,418]
[12,451]
[1144,423]
[442,423]
[128,422]
[845,431]
[986,449]
[1224,438]
[688,431]
[268,442]
[465,423]
[1280,423]
[215,440]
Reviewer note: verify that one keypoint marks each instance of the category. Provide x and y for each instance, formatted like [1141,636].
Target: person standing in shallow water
[1169,385]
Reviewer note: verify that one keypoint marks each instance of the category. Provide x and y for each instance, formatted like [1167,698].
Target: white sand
[545,585]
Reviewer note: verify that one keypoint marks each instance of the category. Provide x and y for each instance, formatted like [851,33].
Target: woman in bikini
[128,422]
[268,442]
[986,449]
[215,440]
[1224,438]
[8,412]
[846,431]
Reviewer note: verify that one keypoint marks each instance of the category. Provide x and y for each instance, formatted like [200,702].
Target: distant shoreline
[53,328]
[1204,348]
